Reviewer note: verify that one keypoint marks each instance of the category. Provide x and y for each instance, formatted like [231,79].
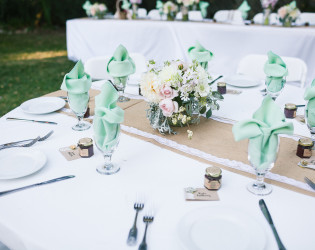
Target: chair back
[140,62]
[229,16]
[154,15]
[195,15]
[96,67]
[253,65]
[142,13]
[306,17]
[258,18]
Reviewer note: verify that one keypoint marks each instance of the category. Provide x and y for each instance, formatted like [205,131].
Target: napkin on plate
[200,54]
[159,5]
[263,129]
[121,65]
[244,8]
[107,118]
[203,8]
[77,83]
[309,96]
[275,69]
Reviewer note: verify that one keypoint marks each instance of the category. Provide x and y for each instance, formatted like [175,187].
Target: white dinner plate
[20,162]
[220,228]
[42,105]
[242,81]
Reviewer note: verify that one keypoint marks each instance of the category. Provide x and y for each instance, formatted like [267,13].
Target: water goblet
[108,168]
[310,126]
[120,84]
[78,104]
[275,92]
[262,162]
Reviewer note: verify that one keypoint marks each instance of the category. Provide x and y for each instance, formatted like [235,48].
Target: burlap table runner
[214,138]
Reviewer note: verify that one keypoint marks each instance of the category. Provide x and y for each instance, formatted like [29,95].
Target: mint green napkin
[107,118]
[204,8]
[87,7]
[309,96]
[292,5]
[200,54]
[77,83]
[126,5]
[159,5]
[121,64]
[262,130]
[275,69]
[244,8]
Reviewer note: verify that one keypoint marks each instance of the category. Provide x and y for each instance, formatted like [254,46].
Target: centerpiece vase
[266,17]
[184,10]
[287,23]
[134,11]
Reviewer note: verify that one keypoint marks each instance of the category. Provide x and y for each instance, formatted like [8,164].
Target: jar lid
[213,171]
[85,142]
[290,106]
[221,84]
[306,142]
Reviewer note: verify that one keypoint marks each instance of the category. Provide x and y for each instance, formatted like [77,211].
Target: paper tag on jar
[200,194]
[70,153]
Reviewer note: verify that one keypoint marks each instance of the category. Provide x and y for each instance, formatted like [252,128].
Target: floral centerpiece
[170,9]
[288,14]
[185,5]
[97,10]
[268,6]
[135,4]
[178,93]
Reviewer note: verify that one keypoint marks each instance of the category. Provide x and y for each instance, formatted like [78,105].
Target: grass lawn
[31,65]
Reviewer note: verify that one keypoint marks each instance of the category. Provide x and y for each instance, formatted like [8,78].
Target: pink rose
[168,92]
[282,12]
[168,107]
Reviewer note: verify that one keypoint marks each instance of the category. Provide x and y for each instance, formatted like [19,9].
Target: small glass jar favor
[213,178]
[290,110]
[86,147]
[221,87]
[304,149]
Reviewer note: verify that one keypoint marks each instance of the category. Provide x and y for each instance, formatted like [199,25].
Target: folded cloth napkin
[275,69]
[121,65]
[77,83]
[244,8]
[126,5]
[107,117]
[200,54]
[309,96]
[262,130]
[87,7]
[159,5]
[203,8]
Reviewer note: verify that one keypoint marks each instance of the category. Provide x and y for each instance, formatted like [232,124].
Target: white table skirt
[93,211]
[161,40]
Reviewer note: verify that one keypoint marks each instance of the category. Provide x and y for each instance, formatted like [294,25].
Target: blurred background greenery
[33,53]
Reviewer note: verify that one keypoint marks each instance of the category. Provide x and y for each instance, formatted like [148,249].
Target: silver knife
[309,182]
[264,209]
[37,184]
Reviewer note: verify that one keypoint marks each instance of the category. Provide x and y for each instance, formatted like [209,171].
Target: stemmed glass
[310,126]
[109,167]
[120,84]
[273,94]
[262,162]
[79,107]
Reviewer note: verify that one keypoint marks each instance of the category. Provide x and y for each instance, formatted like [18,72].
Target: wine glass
[78,104]
[310,126]
[275,93]
[120,84]
[262,162]
[109,167]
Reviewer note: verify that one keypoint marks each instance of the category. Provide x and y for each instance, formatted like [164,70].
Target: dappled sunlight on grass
[38,55]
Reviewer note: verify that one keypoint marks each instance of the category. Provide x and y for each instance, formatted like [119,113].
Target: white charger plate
[220,228]
[42,105]
[20,162]
[242,81]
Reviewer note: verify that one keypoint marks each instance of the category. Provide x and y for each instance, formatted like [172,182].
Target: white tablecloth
[93,211]
[161,40]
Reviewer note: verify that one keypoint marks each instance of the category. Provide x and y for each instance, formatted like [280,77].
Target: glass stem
[108,161]
[80,118]
[260,180]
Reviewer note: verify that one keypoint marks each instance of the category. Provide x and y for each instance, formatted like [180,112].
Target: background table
[94,211]
[161,40]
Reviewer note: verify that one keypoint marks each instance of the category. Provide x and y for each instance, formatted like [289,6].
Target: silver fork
[147,220]
[28,140]
[21,145]
[133,232]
